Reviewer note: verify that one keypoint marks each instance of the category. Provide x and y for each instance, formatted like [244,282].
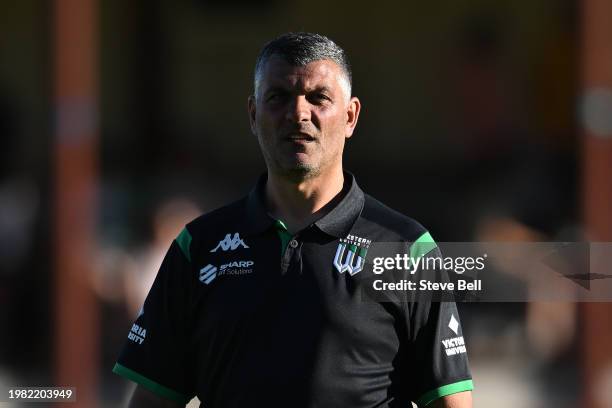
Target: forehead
[278,72]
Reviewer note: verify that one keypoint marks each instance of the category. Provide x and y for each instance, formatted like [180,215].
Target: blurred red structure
[597,196]
[76,169]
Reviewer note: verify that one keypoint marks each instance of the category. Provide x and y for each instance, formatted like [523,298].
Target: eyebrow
[279,88]
[323,88]
[276,88]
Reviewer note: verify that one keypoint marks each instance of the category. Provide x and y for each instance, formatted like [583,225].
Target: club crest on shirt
[351,254]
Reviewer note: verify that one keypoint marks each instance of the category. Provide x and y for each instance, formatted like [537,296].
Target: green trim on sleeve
[150,385]
[184,242]
[431,396]
[423,245]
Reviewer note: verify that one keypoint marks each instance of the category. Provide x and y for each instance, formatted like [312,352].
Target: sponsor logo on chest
[235,268]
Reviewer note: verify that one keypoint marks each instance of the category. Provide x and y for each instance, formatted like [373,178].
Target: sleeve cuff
[429,397]
[150,385]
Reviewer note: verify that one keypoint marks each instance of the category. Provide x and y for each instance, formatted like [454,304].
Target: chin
[300,172]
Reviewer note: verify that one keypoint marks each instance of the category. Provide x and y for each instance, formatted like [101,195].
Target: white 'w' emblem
[349,263]
[230,243]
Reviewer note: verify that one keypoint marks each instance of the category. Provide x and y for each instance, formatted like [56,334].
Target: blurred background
[122,120]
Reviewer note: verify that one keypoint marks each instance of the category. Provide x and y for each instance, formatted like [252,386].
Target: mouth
[300,137]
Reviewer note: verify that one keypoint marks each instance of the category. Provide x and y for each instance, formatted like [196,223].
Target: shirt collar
[257,218]
[337,222]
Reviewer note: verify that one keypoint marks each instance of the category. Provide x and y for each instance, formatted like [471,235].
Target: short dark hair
[300,49]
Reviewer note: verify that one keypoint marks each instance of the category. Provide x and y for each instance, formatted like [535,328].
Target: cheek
[334,124]
[330,117]
[262,122]
[268,118]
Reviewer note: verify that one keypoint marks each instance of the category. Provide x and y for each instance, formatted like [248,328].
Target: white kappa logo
[230,243]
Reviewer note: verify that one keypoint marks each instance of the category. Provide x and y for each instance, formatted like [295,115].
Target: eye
[320,97]
[276,97]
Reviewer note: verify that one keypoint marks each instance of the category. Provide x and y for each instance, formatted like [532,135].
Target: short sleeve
[156,354]
[437,351]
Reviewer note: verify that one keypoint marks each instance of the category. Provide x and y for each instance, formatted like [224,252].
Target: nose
[299,109]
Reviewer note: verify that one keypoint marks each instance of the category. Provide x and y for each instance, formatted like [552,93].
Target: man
[260,303]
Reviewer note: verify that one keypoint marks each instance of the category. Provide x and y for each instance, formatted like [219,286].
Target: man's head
[300,49]
[302,110]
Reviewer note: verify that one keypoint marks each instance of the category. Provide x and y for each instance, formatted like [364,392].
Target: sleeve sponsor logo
[453,324]
[137,334]
[454,345]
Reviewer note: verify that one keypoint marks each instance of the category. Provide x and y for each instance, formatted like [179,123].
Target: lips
[303,137]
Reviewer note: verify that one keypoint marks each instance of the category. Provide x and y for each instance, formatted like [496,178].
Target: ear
[352,115]
[251,110]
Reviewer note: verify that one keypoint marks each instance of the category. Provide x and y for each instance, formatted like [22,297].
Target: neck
[300,203]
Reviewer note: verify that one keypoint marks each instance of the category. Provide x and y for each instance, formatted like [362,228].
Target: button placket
[291,260]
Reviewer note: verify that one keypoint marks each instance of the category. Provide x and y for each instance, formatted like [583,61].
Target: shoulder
[210,229]
[390,224]
[222,218]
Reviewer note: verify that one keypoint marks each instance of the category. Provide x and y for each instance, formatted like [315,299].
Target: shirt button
[293,243]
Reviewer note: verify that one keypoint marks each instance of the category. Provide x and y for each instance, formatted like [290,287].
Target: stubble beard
[302,172]
[293,172]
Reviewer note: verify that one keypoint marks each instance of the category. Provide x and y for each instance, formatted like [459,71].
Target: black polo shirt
[243,314]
